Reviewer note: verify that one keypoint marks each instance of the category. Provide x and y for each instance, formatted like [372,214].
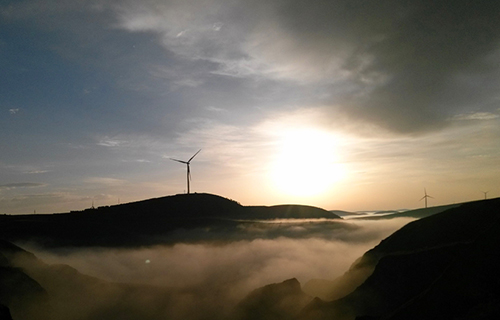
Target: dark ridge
[34,290]
[5,313]
[23,296]
[468,289]
[444,266]
[416,213]
[143,223]
[8,251]
[288,211]
[459,224]
[278,301]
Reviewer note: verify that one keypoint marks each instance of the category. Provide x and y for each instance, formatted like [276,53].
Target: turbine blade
[178,160]
[194,156]
[422,198]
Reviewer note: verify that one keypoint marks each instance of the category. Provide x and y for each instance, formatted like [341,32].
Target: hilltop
[146,222]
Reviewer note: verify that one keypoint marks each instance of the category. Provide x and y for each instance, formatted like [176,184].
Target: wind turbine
[425,197]
[485,194]
[188,169]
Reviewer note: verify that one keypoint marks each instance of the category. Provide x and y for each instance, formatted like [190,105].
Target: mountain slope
[5,313]
[34,290]
[20,295]
[415,213]
[443,266]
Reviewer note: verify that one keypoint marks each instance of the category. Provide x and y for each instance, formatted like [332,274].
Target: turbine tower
[485,194]
[188,169]
[425,197]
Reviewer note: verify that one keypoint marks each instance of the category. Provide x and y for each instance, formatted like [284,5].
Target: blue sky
[341,104]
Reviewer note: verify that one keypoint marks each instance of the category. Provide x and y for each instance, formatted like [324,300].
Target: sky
[343,104]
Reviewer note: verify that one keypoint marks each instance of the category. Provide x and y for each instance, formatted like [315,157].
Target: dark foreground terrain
[445,266]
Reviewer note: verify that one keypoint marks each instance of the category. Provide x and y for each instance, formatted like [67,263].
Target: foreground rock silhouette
[278,301]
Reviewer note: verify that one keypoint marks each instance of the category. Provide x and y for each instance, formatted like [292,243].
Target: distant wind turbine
[425,197]
[485,194]
[188,169]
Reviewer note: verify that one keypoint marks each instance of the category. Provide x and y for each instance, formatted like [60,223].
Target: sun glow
[307,163]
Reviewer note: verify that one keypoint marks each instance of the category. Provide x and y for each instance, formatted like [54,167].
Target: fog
[208,279]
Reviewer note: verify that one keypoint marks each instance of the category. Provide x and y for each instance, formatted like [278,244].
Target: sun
[306,163]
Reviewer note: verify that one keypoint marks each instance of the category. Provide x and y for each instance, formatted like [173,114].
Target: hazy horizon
[365,212]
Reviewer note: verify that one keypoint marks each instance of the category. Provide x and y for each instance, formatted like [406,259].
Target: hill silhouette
[415,213]
[146,222]
[444,266]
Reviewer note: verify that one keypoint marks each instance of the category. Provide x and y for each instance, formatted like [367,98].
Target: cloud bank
[209,279]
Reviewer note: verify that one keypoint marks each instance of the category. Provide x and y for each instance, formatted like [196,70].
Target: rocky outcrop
[276,301]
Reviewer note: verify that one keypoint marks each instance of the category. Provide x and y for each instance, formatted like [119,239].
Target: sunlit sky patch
[306,162]
[340,104]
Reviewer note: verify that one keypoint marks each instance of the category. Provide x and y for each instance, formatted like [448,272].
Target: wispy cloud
[105,181]
[14,111]
[109,142]
[21,185]
[475,116]
[215,109]
[138,161]
[36,171]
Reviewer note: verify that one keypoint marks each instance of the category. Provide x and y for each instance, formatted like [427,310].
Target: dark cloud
[405,66]
[411,64]
[423,59]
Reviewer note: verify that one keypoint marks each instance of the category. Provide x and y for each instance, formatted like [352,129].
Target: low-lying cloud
[213,277]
